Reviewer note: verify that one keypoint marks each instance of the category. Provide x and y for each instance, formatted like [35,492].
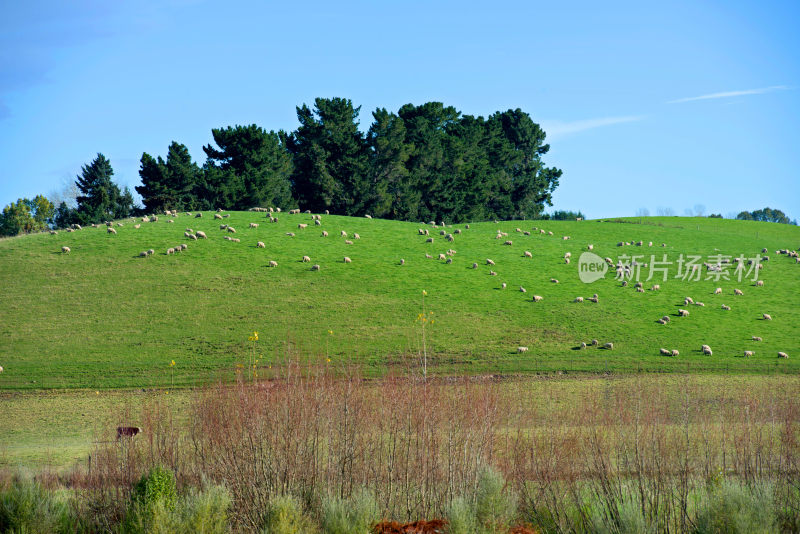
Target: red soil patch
[434,526]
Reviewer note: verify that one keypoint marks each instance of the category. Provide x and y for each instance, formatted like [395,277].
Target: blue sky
[645,106]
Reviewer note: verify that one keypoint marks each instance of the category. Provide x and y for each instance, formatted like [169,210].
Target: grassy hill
[102,317]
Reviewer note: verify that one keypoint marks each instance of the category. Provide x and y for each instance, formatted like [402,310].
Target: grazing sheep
[170,251]
[315,267]
[578,299]
[343,233]
[666,319]
[526,233]
[688,300]
[428,256]
[187,233]
[356,236]
[760,283]
[137,226]
[568,255]
[231,229]
[223,226]
[527,254]
[666,352]
[450,238]
[273,263]
[609,346]
[143,254]
[185,246]
[201,235]
[675,353]
[441,256]
[638,284]
[554,280]
[518,230]
[327,212]
[655,287]
[324,233]
[429,240]
[718,291]
[624,283]
[261,244]
[640,290]
[318,222]
[449,261]
[253,225]
[595,342]
[594,299]
[348,242]
[566,260]
[347,260]
[151,252]
[756,338]
[302,226]
[699,304]
[169,221]
[402,261]
[65,250]
[565,237]
[466,226]
[590,247]
[522,289]
[368,216]
[290,234]
[111,231]
[474,265]
[522,349]
[705,349]
[583,345]
[661,321]
[737,292]
[748,353]
[766,317]
[726,307]
[421,231]
[492,273]
[683,313]
[549,233]
[306,259]
[489,262]
[197,216]
[442,232]
[621,244]
[780,355]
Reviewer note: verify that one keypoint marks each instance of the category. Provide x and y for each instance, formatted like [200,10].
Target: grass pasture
[101,317]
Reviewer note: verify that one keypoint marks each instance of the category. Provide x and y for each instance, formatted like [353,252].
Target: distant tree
[64,216]
[330,156]
[250,168]
[765,215]
[26,216]
[101,199]
[699,210]
[563,215]
[643,212]
[715,216]
[170,184]
[390,193]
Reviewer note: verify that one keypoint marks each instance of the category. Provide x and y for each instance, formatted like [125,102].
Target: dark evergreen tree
[170,184]
[100,199]
[250,168]
[330,158]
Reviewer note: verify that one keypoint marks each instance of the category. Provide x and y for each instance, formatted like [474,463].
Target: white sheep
[609,346]
[675,353]
[522,349]
[509,243]
[347,260]
[402,261]
[522,289]
[318,222]
[726,307]
[261,244]
[590,247]
[151,252]
[348,242]
[65,250]
[699,304]
[683,313]
[640,290]
[655,287]
[756,338]
[273,263]
[344,234]
[315,267]
[306,259]
[492,273]
[718,291]
[474,265]
[217,216]
[748,353]
[666,352]
[766,317]
[441,256]
[760,283]
[553,280]
[429,240]
[578,299]
[780,355]
[111,231]
[528,254]
[356,236]
[737,292]
[170,251]
[201,235]
[568,255]
[253,225]
[302,226]
[566,260]
[324,233]
[537,298]
[290,234]
[489,262]
[231,229]
[688,300]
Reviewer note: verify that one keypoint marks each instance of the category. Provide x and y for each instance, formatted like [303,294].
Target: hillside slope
[101,316]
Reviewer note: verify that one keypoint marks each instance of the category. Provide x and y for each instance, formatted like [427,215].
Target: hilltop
[102,317]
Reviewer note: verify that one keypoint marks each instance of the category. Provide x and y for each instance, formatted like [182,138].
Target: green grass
[101,317]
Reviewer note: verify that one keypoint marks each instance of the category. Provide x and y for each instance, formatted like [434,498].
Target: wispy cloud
[729,94]
[557,129]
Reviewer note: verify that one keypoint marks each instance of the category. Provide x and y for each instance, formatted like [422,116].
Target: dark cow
[127,431]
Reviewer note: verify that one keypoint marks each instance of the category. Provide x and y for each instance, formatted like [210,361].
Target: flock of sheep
[622,270]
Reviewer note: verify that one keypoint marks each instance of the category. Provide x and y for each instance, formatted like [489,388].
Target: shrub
[355,515]
[627,518]
[27,507]
[461,517]
[732,508]
[494,509]
[158,485]
[285,516]
[203,512]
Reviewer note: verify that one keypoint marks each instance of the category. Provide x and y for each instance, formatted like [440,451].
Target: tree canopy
[765,215]
[100,199]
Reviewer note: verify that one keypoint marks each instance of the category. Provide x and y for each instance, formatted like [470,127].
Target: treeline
[423,162]
[766,215]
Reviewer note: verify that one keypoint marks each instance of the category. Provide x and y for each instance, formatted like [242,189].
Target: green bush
[494,508]
[461,517]
[355,515]
[285,516]
[27,507]
[733,508]
[158,485]
[203,512]
[627,518]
